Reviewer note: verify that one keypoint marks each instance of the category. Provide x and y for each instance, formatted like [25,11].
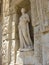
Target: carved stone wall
[40,23]
[5,33]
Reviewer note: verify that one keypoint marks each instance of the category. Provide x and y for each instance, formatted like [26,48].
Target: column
[14,38]
[5,33]
[33,12]
[37,46]
[36,20]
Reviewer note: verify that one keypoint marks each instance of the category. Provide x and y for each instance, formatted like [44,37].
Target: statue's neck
[23,13]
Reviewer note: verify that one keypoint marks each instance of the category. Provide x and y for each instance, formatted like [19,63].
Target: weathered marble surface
[45,40]
[25,57]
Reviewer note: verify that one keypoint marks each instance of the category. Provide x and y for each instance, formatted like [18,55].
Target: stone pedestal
[25,57]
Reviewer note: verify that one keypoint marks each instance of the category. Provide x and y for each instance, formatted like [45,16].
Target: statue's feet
[25,49]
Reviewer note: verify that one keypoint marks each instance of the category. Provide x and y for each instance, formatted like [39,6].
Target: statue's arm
[28,19]
[19,23]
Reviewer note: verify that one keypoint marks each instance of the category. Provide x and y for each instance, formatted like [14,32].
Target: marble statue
[24,36]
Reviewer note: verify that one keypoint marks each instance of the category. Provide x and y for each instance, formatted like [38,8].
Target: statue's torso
[23,20]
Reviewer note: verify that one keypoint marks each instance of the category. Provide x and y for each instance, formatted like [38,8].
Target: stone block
[25,57]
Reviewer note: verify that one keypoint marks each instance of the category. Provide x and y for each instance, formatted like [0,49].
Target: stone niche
[20,60]
[27,5]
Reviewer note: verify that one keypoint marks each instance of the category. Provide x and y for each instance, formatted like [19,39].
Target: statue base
[25,57]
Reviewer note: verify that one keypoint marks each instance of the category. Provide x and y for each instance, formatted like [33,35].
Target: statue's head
[23,10]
